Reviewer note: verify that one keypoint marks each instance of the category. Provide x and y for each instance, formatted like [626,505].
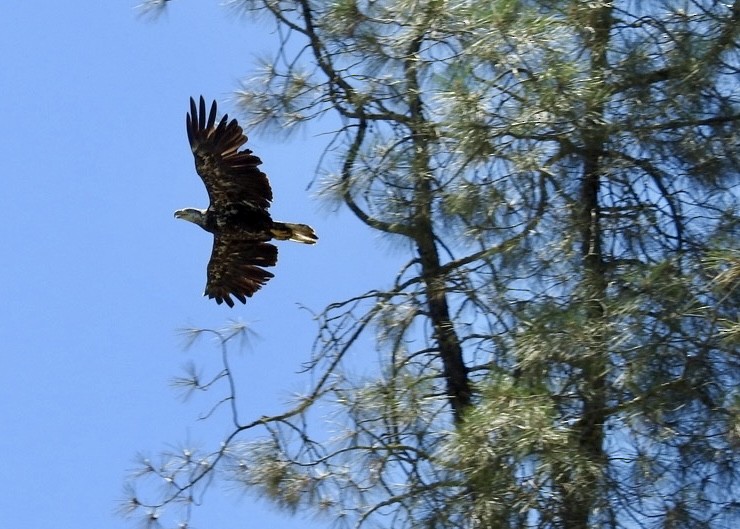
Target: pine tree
[560,350]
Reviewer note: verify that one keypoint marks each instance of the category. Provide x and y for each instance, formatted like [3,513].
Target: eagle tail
[287,231]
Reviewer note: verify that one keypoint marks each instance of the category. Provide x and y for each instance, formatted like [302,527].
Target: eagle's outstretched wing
[231,176]
[235,269]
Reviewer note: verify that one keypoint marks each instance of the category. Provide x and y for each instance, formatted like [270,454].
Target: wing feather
[230,176]
[235,269]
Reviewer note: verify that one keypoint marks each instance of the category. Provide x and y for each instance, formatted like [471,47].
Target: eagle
[237,215]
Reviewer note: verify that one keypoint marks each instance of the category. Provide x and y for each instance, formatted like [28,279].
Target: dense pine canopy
[561,348]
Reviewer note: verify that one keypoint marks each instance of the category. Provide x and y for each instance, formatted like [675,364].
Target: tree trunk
[579,502]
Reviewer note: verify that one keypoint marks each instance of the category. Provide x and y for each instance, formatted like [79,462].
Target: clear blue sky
[97,275]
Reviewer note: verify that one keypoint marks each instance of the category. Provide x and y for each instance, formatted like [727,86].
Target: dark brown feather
[235,269]
[230,176]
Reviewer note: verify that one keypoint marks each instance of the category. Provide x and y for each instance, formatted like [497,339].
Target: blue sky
[97,275]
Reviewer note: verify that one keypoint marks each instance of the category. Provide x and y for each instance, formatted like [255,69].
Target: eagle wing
[231,176]
[235,269]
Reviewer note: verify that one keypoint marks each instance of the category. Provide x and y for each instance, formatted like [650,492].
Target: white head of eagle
[194,215]
[237,216]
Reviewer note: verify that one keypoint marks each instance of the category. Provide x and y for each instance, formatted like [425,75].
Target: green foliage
[560,349]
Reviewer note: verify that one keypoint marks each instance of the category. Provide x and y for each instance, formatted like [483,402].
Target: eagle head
[194,215]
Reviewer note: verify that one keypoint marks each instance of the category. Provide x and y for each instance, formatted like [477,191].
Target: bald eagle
[237,215]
